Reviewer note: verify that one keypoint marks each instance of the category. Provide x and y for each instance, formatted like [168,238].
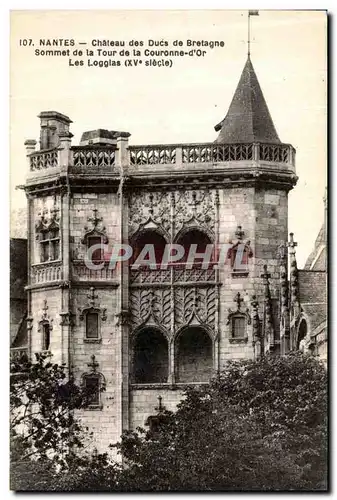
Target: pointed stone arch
[194,234]
[301,332]
[150,235]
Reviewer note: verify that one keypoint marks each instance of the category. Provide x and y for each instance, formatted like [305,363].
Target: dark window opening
[46,336]
[195,237]
[44,251]
[50,245]
[92,325]
[92,387]
[239,327]
[194,360]
[150,357]
[55,249]
[302,333]
[149,238]
[97,254]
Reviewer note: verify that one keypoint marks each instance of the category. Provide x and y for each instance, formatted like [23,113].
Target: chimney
[101,137]
[52,126]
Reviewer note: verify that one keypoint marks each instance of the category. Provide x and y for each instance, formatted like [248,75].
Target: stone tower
[145,333]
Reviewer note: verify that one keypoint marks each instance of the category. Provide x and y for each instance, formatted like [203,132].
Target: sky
[180,104]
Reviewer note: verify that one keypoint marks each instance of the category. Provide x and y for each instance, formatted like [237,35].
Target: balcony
[46,272]
[42,160]
[99,159]
[171,154]
[82,273]
[103,158]
[175,275]
[19,354]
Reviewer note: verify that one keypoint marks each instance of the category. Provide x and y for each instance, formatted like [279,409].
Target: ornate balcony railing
[177,273]
[276,153]
[19,354]
[210,153]
[151,276]
[151,155]
[83,273]
[216,153]
[46,272]
[184,275]
[43,159]
[102,157]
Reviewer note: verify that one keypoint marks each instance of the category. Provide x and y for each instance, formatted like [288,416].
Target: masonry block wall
[46,305]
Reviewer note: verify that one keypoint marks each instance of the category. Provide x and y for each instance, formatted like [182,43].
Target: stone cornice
[221,177]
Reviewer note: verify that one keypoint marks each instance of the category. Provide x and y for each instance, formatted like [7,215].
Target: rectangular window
[46,336]
[55,249]
[50,245]
[238,328]
[44,251]
[97,254]
[92,389]
[92,325]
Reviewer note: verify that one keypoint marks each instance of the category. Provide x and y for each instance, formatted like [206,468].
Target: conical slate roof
[248,118]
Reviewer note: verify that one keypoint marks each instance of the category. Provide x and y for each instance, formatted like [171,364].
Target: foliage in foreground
[259,426]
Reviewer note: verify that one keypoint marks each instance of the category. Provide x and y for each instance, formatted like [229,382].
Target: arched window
[302,333]
[200,242]
[150,357]
[194,359]
[148,237]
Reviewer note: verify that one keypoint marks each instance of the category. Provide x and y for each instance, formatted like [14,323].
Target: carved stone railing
[210,153]
[83,273]
[183,275]
[275,153]
[175,274]
[216,153]
[46,272]
[99,157]
[43,159]
[19,354]
[151,155]
[151,276]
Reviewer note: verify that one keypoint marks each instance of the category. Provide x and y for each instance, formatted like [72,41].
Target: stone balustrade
[46,272]
[82,273]
[19,354]
[103,159]
[175,274]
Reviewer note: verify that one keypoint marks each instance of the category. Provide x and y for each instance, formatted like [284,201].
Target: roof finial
[250,13]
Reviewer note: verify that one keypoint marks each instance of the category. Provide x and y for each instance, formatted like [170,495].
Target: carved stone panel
[195,305]
[196,207]
[149,208]
[151,306]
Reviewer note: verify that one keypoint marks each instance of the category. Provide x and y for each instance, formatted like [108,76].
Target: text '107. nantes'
[131,53]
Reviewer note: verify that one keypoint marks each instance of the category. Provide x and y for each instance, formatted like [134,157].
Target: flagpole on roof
[250,13]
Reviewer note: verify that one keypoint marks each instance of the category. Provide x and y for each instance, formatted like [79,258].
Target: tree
[259,426]
[47,440]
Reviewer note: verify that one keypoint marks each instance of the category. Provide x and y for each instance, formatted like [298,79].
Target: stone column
[30,145]
[122,375]
[65,153]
